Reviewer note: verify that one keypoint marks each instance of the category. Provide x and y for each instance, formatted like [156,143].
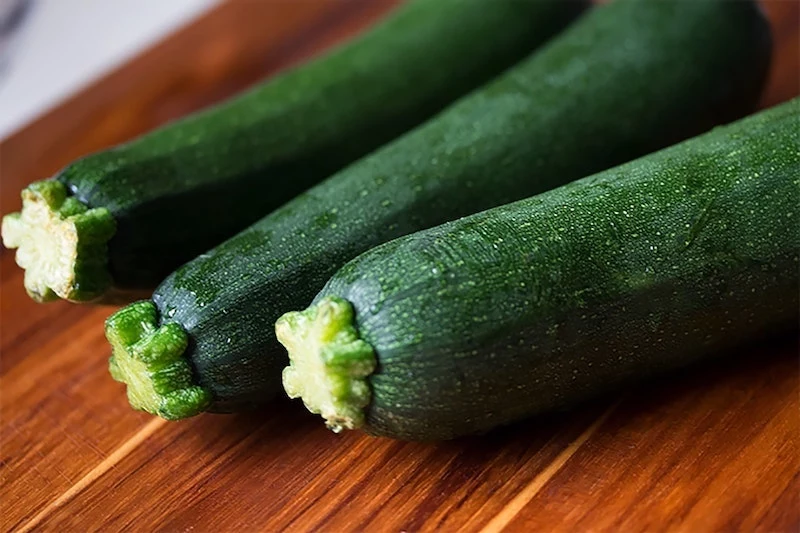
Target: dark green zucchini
[628,77]
[114,224]
[543,302]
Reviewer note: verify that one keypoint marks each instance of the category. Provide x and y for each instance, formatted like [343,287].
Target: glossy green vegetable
[114,224]
[543,302]
[626,78]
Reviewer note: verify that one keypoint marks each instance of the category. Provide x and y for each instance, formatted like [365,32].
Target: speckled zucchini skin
[543,302]
[186,187]
[626,78]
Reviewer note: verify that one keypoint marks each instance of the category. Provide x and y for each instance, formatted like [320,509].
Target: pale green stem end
[329,363]
[61,244]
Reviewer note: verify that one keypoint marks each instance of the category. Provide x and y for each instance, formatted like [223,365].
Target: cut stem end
[149,359]
[329,363]
[61,244]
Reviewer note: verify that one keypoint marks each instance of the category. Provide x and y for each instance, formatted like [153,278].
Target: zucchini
[626,78]
[112,225]
[541,303]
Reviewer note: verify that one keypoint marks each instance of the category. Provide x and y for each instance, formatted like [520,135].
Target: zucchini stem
[149,359]
[61,244]
[329,363]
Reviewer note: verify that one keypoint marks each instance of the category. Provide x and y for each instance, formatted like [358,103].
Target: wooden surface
[714,449]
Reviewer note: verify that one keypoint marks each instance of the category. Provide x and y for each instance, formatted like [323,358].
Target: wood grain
[688,456]
[713,449]
[60,413]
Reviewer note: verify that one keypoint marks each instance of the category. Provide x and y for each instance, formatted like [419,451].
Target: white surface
[65,44]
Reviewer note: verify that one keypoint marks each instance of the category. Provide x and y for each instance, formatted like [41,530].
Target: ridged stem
[61,243]
[329,363]
[149,359]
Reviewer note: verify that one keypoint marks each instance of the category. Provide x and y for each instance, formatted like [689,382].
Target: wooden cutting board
[716,448]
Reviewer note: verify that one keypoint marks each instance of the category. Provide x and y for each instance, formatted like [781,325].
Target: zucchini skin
[626,78]
[544,302]
[182,189]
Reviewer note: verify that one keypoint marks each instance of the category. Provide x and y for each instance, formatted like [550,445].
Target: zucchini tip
[329,362]
[148,358]
[61,243]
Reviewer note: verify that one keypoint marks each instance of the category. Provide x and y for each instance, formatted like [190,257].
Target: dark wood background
[714,449]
